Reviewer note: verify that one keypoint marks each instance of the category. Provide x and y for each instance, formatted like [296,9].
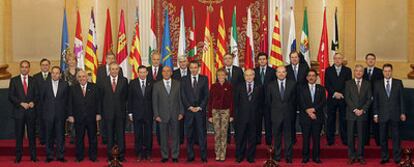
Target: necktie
[295,71]
[369,74]
[282,90]
[313,93]
[229,74]
[154,75]
[262,75]
[44,76]
[388,88]
[338,71]
[113,85]
[168,87]
[143,88]
[84,91]
[358,85]
[249,91]
[55,88]
[183,73]
[194,82]
[24,85]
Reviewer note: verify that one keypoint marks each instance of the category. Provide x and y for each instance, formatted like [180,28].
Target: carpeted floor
[331,156]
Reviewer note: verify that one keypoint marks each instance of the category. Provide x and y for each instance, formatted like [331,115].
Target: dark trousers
[90,128]
[196,121]
[40,128]
[55,134]
[115,129]
[311,131]
[331,123]
[102,131]
[283,127]
[372,128]
[395,135]
[360,126]
[182,129]
[143,137]
[29,119]
[264,118]
[246,140]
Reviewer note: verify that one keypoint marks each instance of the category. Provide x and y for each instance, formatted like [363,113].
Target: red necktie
[113,85]
[154,76]
[24,85]
[84,91]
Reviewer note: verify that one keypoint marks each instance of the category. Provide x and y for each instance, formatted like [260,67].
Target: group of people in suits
[181,101]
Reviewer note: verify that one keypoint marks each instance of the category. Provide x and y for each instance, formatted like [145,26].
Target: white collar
[165,81]
[84,86]
[312,85]
[140,80]
[280,81]
[385,81]
[360,80]
[112,78]
[22,76]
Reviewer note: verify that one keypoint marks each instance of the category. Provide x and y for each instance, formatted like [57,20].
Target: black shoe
[251,161]
[304,161]
[330,144]
[34,160]
[397,162]
[49,160]
[62,160]
[351,161]
[384,161]
[289,161]
[78,160]
[204,160]
[18,160]
[190,159]
[175,160]
[164,160]
[239,160]
[318,161]
[362,161]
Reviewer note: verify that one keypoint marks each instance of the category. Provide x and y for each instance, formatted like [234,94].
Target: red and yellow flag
[135,55]
[207,60]
[91,58]
[221,41]
[275,57]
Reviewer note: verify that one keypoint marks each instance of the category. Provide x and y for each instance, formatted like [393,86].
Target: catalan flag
[275,57]
[91,58]
[207,60]
[135,55]
[221,41]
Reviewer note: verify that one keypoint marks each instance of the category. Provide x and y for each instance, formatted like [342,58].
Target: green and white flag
[304,39]
[233,39]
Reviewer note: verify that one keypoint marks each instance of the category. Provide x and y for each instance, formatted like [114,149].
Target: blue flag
[166,51]
[65,43]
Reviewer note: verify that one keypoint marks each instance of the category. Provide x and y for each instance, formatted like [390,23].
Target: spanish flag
[207,60]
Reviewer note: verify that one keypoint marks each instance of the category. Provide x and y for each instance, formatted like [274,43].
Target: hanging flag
[264,42]
[291,45]
[234,39]
[153,37]
[335,40]
[181,38]
[323,55]
[122,52]
[275,57]
[221,40]
[135,55]
[249,55]
[166,52]
[207,60]
[78,48]
[91,58]
[193,44]
[108,44]
[64,43]
[304,39]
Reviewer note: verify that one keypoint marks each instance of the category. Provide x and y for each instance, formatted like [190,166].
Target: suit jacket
[245,110]
[389,108]
[177,74]
[102,75]
[84,108]
[270,75]
[55,107]
[335,83]
[237,76]
[355,100]
[167,106]
[197,97]
[17,96]
[281,109]
[150,74]
[301,76]
[139,104]
[376,75]
[38,77]
[114,103]
[305,101]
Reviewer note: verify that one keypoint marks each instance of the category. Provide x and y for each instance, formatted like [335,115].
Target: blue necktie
[313,93]
[282,90]
[388,88]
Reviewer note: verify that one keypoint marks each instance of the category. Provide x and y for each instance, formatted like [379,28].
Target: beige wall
[346,14]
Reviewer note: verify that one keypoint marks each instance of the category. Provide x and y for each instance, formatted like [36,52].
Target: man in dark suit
[114,97]
[335,78]
[297,72]
[101,76]
[40,78]
[312,106]
[54,107]
[358,98]
[389,111]
[235,77]
[281,98]
[23,96]
[140,112]
[84,111]
[372,74]
[194,95]
[263,76]
[168,111]
[247,98]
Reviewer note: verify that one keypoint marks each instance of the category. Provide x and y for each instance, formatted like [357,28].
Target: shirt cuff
[130,114]
[376,116]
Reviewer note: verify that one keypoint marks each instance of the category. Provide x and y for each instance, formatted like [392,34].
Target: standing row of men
[261,96]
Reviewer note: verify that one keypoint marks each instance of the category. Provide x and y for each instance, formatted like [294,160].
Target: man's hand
[98,117]
[158,119]
[25,105]
[376,119]
[312,116]
[338,95]
[403,117]
[130,117]
[210,120]
[180,117]
[71,119]
[358,112]
[231,119]
[31,104]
